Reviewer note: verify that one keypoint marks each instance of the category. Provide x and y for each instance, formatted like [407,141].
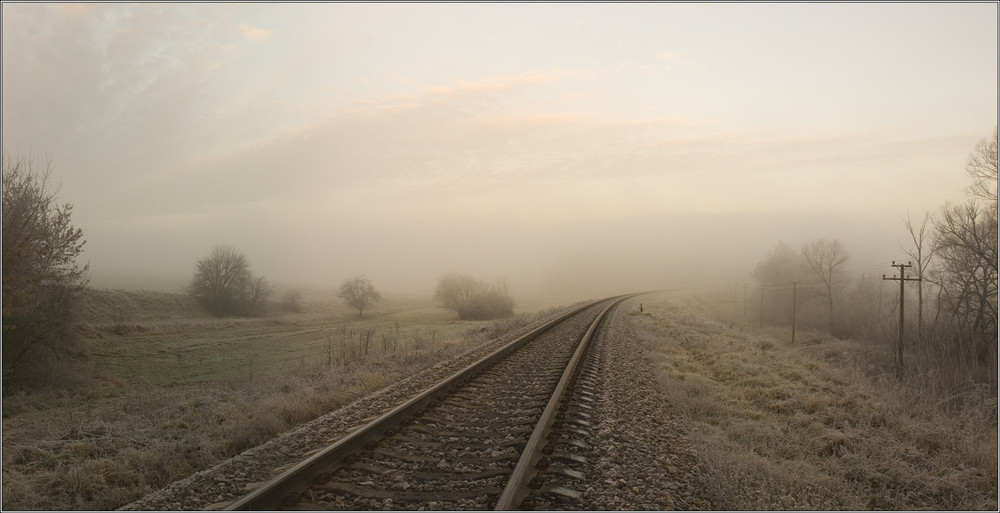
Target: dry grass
[107,446]
[820,424]
[175,395]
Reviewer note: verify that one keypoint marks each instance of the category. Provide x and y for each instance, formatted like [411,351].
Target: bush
[224,285]
[291,301]
[491,304]
[473,299]
[40,273]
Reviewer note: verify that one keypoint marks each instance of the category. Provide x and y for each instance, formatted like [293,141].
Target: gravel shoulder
[643,458]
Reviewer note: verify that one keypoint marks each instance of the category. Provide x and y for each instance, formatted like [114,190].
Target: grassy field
[165,390]
[821,424]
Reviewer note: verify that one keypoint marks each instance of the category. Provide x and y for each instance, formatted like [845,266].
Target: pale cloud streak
[255,33]
[454,149]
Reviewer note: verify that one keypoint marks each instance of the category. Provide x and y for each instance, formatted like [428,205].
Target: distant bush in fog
[291,301]
[473,299]
[491,304]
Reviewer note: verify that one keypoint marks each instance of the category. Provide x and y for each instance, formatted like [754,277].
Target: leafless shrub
[473,299]
[491,304]
[224,285]
[40,273]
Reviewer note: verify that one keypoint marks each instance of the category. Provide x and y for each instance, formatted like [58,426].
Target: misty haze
[232,232]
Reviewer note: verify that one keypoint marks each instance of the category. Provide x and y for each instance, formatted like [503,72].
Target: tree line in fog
[950,303]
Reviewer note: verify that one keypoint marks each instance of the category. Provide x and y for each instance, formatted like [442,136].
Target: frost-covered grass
[164,394]
[821,424]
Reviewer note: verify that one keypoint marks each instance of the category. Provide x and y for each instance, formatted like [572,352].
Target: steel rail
[286,488]
[515,490]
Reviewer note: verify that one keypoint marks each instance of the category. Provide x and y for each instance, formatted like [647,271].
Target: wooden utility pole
[744,300]
[761,320]
[795,285]
[902,279]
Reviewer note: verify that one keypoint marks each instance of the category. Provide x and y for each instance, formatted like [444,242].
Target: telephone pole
[744,300]
[795,285]
[736,297]
[761,319]
[902,279]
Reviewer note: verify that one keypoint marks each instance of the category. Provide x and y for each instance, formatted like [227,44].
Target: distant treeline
[950,314]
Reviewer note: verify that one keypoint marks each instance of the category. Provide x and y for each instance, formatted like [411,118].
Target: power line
[871,267]
[787,285]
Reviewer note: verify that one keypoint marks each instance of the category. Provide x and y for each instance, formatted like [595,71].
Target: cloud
[455,145]
[254,33]
[74,9]
[474,148]
[439,91]
[670,59]
[480,146]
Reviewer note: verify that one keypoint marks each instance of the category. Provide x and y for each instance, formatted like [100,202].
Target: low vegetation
[819,424]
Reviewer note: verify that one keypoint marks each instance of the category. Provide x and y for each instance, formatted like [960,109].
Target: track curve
[476,440]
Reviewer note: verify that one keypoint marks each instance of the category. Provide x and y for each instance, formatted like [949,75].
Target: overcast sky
[569,148]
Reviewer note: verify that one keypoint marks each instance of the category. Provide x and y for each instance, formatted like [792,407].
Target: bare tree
[982,168]
[965,270]
[922,256]
[359,293]
[40,272]
[965,242]
[826,258]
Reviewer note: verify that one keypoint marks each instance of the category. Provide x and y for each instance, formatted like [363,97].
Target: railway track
[503,433]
